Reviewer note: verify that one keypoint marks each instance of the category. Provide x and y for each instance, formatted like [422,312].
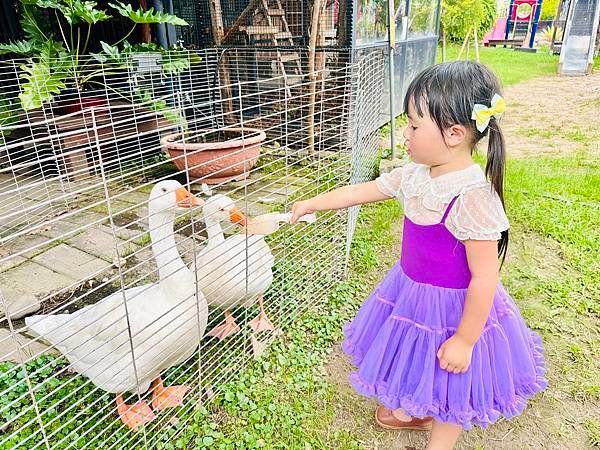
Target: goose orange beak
[185,199]
[236,216]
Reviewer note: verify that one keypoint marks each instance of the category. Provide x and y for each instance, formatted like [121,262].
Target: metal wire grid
[258,22]
[365,137]
[50,407]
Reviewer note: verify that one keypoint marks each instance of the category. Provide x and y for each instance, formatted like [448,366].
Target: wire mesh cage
[255,23]
[124,303]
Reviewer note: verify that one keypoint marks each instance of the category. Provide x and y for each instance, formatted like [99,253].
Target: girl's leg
[443,436]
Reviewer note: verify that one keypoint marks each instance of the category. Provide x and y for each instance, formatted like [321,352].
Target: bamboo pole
[318,6]
[476,44]
[464,45]
[443,45]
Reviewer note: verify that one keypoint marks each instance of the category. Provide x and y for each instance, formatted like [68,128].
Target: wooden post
[145,32]
[342,23]
[318,5]
[216,16]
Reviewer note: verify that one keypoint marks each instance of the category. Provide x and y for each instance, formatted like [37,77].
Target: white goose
[166,318]
[233,271]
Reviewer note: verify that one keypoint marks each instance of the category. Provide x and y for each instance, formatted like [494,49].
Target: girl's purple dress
[397,332]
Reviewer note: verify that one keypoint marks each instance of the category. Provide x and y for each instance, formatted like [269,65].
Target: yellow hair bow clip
[482,114]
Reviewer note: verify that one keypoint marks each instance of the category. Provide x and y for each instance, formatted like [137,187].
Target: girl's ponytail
[494,170]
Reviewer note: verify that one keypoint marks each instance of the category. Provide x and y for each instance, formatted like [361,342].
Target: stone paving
[55,260]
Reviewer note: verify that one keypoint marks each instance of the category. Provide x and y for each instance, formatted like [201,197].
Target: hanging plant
[56,64]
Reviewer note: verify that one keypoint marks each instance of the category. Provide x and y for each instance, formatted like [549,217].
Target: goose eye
[164,189]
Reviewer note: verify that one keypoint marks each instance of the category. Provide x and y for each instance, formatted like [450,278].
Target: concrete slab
[24,286]
[96,242]
[134,198]
[60,229]
[72,263]
[26,244]
[10,263]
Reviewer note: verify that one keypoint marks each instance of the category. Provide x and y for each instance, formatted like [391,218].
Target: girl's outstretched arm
[455,353]
[344,197]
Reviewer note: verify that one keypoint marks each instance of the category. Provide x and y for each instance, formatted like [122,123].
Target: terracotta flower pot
[216,156]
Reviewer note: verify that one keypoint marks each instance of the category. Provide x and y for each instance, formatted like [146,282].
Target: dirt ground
[551,117]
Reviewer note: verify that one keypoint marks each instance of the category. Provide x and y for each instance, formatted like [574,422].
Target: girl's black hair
[447,93]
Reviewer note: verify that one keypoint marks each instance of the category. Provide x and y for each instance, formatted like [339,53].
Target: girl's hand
[455,355]
[301,208]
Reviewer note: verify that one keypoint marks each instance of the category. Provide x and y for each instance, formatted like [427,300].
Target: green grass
[558,199]
[511,66]
[282,401]
[593,428]
[556,203]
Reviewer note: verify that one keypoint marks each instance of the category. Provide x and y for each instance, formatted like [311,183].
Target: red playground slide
[496,33]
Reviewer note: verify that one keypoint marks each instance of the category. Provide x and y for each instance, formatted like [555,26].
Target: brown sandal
[385,419]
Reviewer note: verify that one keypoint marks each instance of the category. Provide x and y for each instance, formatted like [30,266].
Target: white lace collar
[437,192]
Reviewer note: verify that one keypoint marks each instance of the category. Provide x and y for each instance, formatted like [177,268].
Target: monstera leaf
[175,62]
[112,54]
[149,16]
[8,116]
[172,114]
[41,85]
[45,76]
[76,11]
[25,48]
[86,11]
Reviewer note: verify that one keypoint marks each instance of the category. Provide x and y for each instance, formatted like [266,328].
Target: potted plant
[57,65]
[215,156]
[60,78]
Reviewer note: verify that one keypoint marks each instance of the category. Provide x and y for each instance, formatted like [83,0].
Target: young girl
[439,342]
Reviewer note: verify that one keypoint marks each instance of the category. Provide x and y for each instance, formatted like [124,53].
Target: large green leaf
[25,48]
[149,16]
[86,11]
[172,114]
[8,116]
[76,11]
[174,64]
[34,23]
[42,84]
[112,54]
[51,50]
[53,4]
[176,61]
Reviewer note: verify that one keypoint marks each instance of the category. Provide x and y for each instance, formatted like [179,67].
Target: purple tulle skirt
[394,339]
